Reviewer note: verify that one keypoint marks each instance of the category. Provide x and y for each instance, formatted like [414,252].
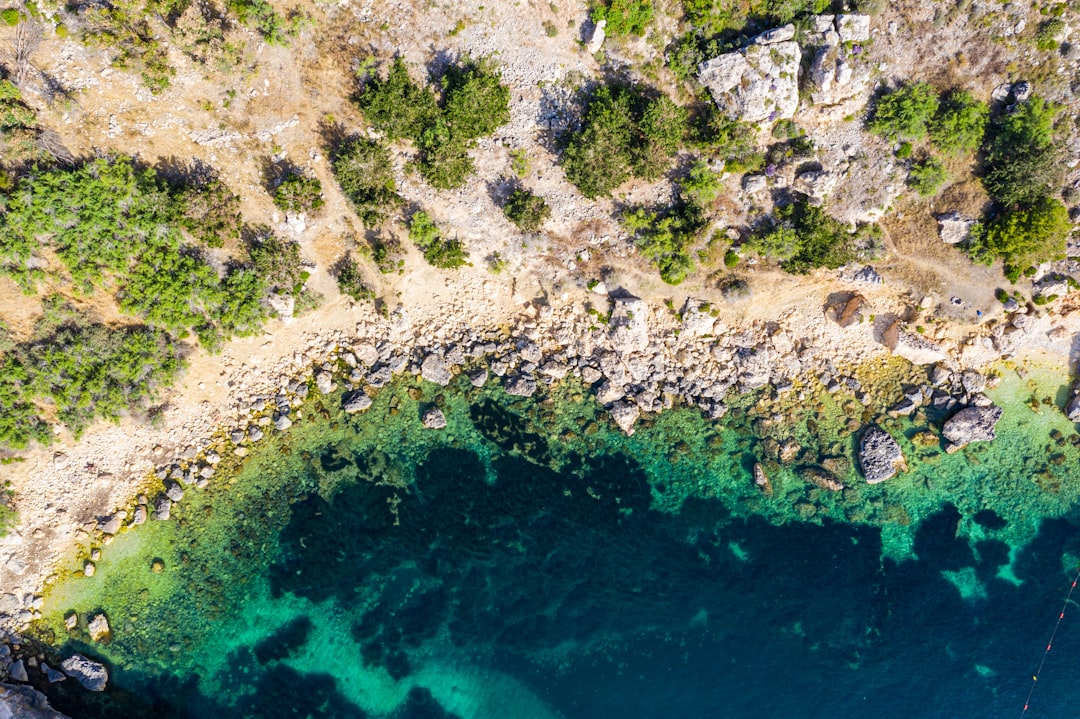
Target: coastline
[646,357]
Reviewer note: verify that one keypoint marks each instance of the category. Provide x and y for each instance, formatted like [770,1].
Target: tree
[1023,237]
[526,210]
[905,113]
[364,171]
[960,123]
[1023,164]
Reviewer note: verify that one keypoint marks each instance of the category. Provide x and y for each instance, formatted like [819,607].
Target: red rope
[1049,644]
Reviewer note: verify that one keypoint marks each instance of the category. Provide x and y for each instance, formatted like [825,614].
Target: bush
[804,237]
[210,212]
[123,29]
[1022,162]
[351,280]
[442,253]
[1024,237]
[10,16]
[526,210]
[905,113]
[732,141]
[927,176]
[476,103]
[397,106]
[624,17]
[960,123]
[1047,33]
[717,16]
[701,185]
[364,171]
[666,237]
[298,193]
[626,131]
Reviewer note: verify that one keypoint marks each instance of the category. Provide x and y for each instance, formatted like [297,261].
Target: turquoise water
[530,561]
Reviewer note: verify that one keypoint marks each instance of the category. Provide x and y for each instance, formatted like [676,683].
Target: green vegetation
[526,210]
[77,371]
[364,171]
[624,17]
[1022,161]
[124,28]
[960,123]
[927,176]
[351,280]
[209,211]
[1047,33]
[519,163]
[439,252]
[712,17]
[804,237]
[701,185]
[19,129]
[627,131]
[299,193]
[11,16]
[1023,237]
[905,113]
[474,103]
[261,15]
[732,141]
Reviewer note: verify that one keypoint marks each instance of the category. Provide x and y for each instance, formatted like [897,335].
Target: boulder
[174,491]
[971,424]
[478,378]
[282,423]
[625,414]
[753,367]
[324,382]
[521,386]
[846,311]
[139,515]
[972,381]
[868,276]
[355,402]
[756,84]
[1072,409]
[434,369]
[912,347]
[821,478]
[92,675]
[777,34]
[597,37]
[755,183]
[697,318]
[853,28]
[433,418]
[761,480]
[880,456]
[98,627]
[953,227]
[18,671]
[23,702]
[815,184]
[609,393]
[162,508]
[283,305]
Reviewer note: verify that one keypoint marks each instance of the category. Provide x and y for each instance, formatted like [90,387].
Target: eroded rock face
[971,424]
[22,702]
[758,83]
[880,456]
[629,325]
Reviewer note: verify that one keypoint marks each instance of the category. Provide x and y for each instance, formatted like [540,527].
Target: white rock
[596,39]
[853,28]
[433,418]
[625,414]
[755,84]
[953,227]
[777,34]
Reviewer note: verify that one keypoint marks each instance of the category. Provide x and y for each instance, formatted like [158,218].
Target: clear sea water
[530,562]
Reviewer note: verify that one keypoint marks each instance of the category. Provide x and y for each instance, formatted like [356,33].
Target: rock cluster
[880,456]
[22,702]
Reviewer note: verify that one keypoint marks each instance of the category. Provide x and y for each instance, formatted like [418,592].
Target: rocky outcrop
[839,70]
[815,184]
[92,675]
[821,478]
[433,418]
[21,702]
[971,424]
[953,227]
[625,414]
[628,326]
[597,37]
[759,83]
[912,347]
[880,456]
[355,402]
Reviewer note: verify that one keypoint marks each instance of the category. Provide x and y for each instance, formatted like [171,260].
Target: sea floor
[530,561]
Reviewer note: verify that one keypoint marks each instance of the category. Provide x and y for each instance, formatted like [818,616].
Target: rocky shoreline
[639,358]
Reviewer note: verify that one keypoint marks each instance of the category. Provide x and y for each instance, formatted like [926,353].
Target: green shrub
[260,14]
[666,237]
[804,237]
[905,150]
[927,176]
[122,29]
[210,212]
[1023,237]
[905,113]
[171,289]
[624,17]
[625,132]
[277,263]
[444,162]
[351,280]
[786,129]
[1022,162]
[439,252]
[1047,33]
[526,210]
[364,171]
[475,102]
[397,106]
[701,185]
[732,141]
[719,16]
[10,16]
[731,259]
[960,123]
[298,193]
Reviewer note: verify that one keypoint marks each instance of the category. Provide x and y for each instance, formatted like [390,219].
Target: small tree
[1023,163]
[438,252]
[298,193]
[927,176]
[905,113]
[526,210]
[1024,237]
[960,123]
[364,170]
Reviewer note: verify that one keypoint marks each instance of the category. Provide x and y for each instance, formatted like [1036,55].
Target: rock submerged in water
[98,627]
[433,418]
[821,478]
[92,675]
[356,402]
[971,424]
[880,456]
[761,479]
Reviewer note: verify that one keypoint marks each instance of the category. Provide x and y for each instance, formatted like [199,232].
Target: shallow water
[529,561]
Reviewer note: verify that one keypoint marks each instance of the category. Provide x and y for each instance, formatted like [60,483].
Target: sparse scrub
[364,171]
[299,193]
[803,237]
[438,251]
[351,280]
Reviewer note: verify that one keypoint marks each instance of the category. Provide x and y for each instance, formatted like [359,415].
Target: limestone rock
[754,367]
[853,28]
[282,422]
[880,456]
[972,381]
[625,414]
[755,183]
[324,382]
[162,508]
[174,491]
[836,74]
[971,424]
[628,327]
[815,184]
[433,418]
[434,369]
[868,276]
[92,675]
[23,702]
[283,305]
[596,39]
[777,34]
[912,347]
[609,393]
[356,402]
[521,386]
[18,672]
[697,320]
[758,83]
[98,627]
[139,515]
[953,227]
[478,378]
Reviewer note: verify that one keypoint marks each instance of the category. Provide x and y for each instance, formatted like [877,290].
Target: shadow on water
[695,614]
